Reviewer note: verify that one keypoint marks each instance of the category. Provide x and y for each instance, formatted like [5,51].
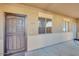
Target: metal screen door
[15,40]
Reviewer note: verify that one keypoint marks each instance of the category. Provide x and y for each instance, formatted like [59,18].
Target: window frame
[46,20]
[66,26]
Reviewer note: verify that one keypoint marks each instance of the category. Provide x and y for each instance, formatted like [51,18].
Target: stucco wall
[2,21]
[39,41]
[32,17]
[32,24]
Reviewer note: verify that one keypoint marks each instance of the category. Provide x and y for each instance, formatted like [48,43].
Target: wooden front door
[14,36]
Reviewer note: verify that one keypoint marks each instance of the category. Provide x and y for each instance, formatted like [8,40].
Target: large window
[45,25]
[66,26]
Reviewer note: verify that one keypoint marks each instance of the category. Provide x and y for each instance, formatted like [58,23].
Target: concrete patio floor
[68,48]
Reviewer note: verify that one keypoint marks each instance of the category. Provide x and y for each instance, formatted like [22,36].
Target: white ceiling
[68,9]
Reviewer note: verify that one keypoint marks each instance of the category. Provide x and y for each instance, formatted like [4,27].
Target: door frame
[25,32]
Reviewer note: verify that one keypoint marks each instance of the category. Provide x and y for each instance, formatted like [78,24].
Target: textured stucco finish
[31,23]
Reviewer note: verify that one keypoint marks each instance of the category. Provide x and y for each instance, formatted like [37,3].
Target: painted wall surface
[32,35]
[2,21]
[39,41]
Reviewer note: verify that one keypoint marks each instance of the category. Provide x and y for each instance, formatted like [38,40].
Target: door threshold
[9,54]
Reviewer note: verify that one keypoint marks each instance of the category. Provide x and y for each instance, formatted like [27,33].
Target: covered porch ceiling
[68,9]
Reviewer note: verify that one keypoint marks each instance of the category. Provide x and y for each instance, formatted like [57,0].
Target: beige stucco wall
[40,41]
[2,21]
[32,21]
[32,17]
